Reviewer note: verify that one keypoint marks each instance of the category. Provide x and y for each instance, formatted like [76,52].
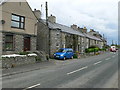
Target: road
[92,72]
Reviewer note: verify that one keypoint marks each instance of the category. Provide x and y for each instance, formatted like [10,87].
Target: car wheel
[64,58]
[72,57]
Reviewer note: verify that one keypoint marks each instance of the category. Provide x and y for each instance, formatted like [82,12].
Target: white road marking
[77,70]
[97,62]
[107,59]
[32,86]
[113,56]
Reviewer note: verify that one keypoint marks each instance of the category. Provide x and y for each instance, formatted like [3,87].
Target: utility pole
[46,14]
[48,38]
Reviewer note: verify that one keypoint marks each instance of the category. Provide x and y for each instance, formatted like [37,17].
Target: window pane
[22,25]
[17,18]
[22,19]
[9,38]
[15,24]
[9,46]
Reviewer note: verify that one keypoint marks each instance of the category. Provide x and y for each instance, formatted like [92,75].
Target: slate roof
[71,31]
[65,29]
[92,37]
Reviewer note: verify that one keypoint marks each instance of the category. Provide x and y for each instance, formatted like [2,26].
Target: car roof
[67,48]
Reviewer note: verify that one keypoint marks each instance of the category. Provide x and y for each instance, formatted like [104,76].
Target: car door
[68,54]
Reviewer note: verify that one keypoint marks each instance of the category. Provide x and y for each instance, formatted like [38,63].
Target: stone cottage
[98,35]
[54,36]
[18,27]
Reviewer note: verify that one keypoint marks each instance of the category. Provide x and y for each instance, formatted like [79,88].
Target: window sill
[18,28]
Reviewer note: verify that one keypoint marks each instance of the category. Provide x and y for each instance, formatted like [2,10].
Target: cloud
[101,15]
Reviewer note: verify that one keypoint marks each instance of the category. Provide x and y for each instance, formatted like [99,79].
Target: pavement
[27,68]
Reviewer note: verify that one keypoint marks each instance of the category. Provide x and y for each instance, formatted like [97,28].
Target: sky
[100,15]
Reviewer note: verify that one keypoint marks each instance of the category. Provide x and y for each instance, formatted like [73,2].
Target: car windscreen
[61,50]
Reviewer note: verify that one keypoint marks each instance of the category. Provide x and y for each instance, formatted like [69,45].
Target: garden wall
[9,62]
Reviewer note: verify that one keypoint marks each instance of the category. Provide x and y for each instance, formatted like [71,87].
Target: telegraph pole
[46,13]
[48,28]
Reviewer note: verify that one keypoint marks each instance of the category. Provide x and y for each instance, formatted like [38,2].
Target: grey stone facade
[55,41]
[33,43]
[55,36]
[18,43]
[43,38]
[1,43]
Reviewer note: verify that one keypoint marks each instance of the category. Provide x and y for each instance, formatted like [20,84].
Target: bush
[103,49]
[75,56]
[92,49]
[96,49]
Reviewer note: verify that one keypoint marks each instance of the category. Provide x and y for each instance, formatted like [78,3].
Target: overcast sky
[100,15]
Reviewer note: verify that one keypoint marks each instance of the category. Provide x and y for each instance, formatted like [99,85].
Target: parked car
[64,53]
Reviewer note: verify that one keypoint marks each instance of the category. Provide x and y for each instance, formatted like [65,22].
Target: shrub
[96,49]
[75,56]
[92,49]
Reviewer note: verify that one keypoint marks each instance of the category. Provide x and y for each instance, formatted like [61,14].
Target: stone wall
[17,61]
[55,41]
[33,43]
[43,38]
[63,41]
[18,42]
[1,43]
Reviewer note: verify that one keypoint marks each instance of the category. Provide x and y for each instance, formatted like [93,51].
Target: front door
[26,43]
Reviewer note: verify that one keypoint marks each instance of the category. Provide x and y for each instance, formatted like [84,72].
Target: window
[9,42]
[57,34]
[18,21]
[57,45]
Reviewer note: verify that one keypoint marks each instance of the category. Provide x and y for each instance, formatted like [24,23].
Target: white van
[113,49]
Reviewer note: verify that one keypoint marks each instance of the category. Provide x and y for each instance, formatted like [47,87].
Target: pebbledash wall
[19,43]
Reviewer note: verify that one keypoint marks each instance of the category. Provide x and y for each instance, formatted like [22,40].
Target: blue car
[64,53]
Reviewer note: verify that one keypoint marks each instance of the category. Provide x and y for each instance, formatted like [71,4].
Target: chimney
[83,30]
[74,27]
[37,13]
[92,30]
[52,19]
